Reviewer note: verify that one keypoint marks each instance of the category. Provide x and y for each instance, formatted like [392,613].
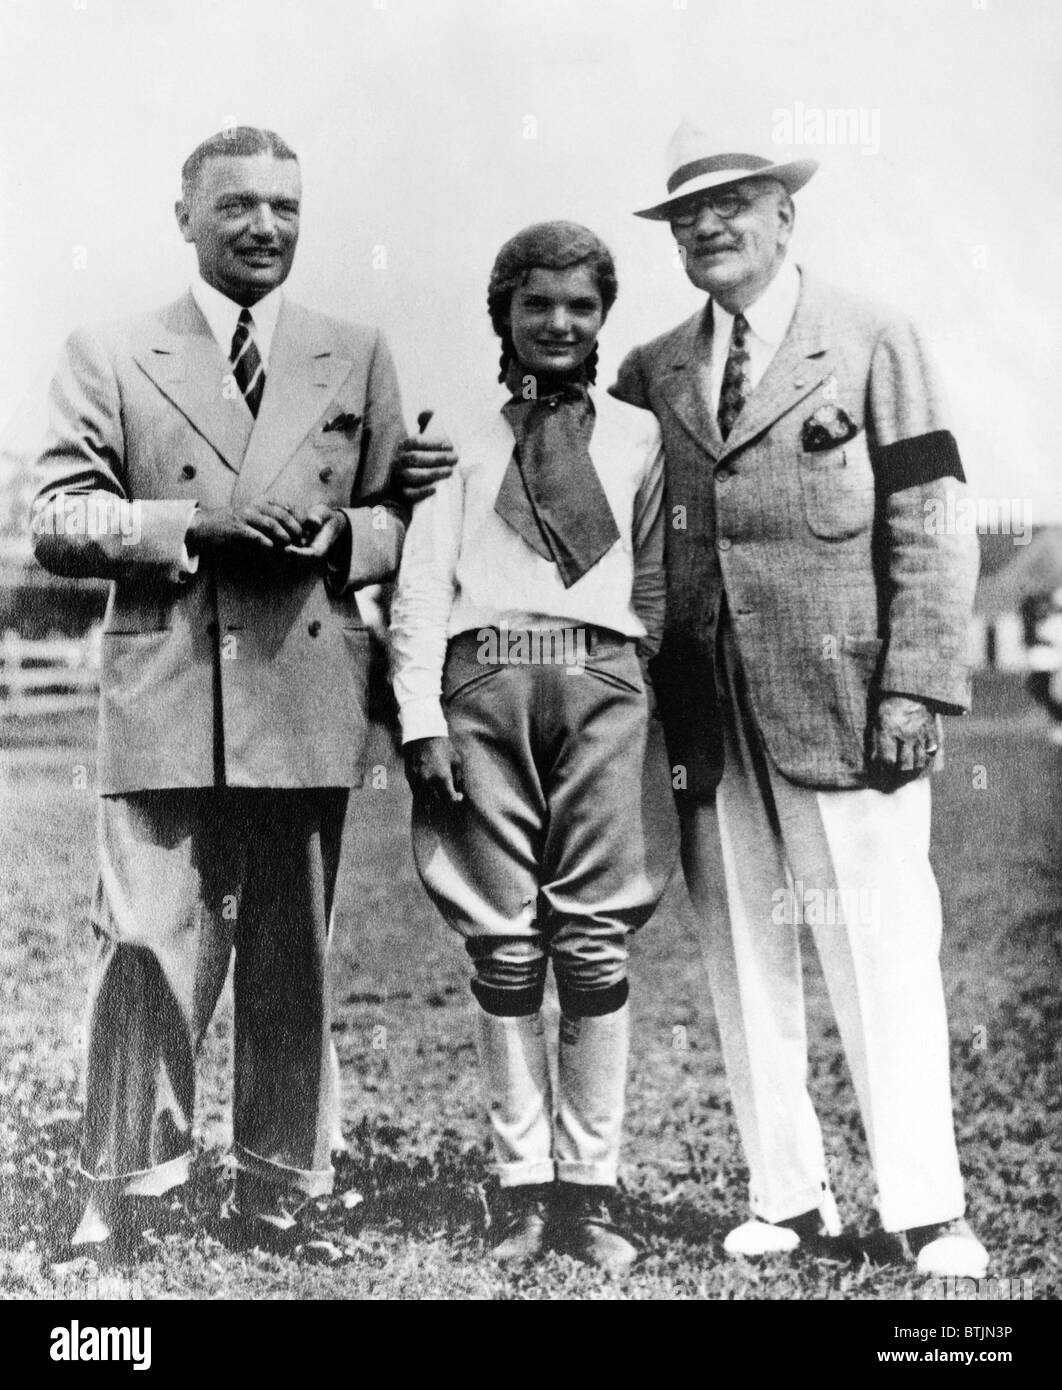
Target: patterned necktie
[247,363]
[735,377]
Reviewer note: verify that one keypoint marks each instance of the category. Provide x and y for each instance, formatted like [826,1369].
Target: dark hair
[238,140]
[547,246]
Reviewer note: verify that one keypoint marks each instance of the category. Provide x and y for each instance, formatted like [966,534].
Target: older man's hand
[903,740]
[421,463]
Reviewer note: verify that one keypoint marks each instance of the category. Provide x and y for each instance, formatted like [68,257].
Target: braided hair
[547,246]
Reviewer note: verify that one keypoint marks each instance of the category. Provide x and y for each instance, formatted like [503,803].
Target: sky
[429,131]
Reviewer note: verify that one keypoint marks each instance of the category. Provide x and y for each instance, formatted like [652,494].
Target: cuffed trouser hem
[907,1217]
[148,1182]
[312,1182]
[588,1174]
[792,1204]
[535,1170]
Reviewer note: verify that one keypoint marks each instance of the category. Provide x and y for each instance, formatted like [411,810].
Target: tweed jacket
[839,577]
[246,673]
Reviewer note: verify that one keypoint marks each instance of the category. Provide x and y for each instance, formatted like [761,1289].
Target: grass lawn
[418,1156]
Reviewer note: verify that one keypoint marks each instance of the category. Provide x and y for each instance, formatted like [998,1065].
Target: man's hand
[325,535]
[904,738]
[260,525]
[421,462]
[433,770]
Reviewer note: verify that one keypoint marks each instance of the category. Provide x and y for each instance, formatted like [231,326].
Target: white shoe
[760,1238]
[952,1251]
[93,1228]
[766,1238]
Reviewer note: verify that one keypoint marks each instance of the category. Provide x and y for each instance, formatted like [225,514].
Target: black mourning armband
[921,459]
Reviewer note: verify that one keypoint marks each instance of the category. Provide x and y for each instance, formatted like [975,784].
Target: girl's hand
[433,770]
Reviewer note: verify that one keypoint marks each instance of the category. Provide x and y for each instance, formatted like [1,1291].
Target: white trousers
[766,857]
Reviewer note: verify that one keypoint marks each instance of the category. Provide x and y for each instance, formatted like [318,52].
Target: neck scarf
[551,494]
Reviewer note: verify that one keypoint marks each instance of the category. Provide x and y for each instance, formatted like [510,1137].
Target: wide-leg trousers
[767,857]
[187,877]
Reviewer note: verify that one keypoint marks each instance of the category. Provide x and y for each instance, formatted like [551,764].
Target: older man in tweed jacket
[816,630]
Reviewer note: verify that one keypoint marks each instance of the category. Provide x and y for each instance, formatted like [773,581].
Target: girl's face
[554,319]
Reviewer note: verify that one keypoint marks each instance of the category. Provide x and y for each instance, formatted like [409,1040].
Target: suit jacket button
[212,629]
[314,628]
[188,471]
[325,475]
[724,475]
[724,543]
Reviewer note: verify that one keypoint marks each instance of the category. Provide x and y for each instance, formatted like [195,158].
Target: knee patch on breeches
[590,986]
[510,977]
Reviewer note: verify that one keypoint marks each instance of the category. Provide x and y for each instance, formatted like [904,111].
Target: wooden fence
[61,675]
[57,676]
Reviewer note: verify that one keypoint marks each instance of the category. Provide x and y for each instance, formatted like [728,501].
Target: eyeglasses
[725,206]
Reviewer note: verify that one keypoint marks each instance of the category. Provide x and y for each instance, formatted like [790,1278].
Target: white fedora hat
[693,167]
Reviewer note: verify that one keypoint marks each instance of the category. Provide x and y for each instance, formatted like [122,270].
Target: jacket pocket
[133,661]
[345,436]
[859,668]
[838,489]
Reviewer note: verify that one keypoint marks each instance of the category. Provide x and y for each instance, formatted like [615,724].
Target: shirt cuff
[423,718]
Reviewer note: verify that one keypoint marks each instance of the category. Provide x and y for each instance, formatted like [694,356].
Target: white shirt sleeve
[420,613]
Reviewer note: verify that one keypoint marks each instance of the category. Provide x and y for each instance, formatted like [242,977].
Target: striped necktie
[735,377]
[247,362]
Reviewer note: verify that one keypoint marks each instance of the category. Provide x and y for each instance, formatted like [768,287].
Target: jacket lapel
[798,367]
[180,356]
[685,382]
[305,370]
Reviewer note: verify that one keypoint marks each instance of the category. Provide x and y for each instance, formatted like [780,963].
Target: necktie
[735,377]
[246,363]
[551,494]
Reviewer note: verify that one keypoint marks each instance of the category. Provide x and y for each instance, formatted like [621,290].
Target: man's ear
[184,219]
[786,218]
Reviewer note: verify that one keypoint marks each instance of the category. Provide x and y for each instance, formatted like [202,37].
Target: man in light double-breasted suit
[226,462]
[816,629]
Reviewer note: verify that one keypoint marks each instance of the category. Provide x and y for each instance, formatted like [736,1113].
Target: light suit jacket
[244,673]
[839,574]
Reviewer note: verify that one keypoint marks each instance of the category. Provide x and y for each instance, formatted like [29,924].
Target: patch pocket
[838,488]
